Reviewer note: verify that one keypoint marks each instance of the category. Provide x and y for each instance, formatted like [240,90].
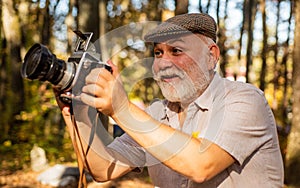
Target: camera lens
[41,64]
[31,67]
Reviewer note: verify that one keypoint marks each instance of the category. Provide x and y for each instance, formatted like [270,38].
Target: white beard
[184,90]
[178,92]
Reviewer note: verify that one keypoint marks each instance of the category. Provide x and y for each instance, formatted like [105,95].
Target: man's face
[183,67]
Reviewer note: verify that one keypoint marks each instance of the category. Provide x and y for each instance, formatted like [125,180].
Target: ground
[27,179]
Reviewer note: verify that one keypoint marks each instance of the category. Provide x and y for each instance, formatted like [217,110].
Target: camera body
[40,64]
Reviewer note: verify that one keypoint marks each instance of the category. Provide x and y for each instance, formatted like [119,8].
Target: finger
[66,111]
[97,75]
[115,69]
[97,103]
[88,99]
[93,89]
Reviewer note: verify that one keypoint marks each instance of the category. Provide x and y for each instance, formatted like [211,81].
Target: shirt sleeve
[241,122]
[129,149]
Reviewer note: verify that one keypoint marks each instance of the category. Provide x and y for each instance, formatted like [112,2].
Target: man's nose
[165,61]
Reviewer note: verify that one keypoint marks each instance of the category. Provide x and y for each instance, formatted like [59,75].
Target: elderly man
[207,132]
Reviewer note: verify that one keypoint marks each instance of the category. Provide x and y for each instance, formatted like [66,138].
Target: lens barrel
[40,63]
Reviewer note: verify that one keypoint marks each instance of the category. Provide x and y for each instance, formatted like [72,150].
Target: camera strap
[82,182]
[80,150]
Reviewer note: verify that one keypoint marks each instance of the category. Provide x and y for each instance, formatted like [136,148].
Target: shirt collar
[204,102]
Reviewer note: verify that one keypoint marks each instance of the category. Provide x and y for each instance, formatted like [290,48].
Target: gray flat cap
[184,24]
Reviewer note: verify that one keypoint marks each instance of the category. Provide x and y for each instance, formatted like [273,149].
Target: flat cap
[184,24]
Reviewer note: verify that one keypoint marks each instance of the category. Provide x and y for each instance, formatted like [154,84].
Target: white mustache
[168,73]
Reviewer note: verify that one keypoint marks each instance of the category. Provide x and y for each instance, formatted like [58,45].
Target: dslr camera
[68,77]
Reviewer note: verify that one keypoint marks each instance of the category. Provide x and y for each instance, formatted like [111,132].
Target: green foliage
[41,124]
[14,156]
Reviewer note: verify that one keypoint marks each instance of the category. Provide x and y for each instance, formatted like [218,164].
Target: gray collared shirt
[232,115]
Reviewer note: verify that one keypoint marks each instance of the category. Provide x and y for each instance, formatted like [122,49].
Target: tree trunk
[265,47]
[102,30]
[200,6]
[181,6]
[250,18]
[221,41]
[2,74]
[14,89]
[88,17]
[207,6]
[47,25]
[71,23]
[287,83]
[244,22]
[277,64]
[293,149]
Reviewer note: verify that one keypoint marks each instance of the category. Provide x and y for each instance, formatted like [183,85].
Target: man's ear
[214,53]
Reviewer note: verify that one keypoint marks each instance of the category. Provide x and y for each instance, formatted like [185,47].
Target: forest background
[259,42]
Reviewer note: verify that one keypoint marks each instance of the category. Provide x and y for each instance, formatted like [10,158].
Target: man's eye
[177,51]
[157,53]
